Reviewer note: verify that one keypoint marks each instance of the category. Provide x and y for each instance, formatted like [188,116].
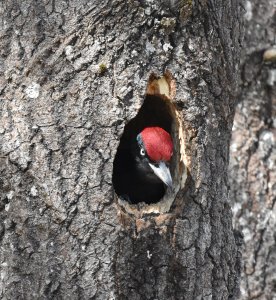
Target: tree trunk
[73,74]
[253,153]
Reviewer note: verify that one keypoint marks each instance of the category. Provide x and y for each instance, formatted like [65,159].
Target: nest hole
[157,110]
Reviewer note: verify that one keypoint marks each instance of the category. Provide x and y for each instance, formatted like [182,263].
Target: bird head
[155,148]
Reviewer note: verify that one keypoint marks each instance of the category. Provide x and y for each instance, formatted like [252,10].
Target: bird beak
[163,172]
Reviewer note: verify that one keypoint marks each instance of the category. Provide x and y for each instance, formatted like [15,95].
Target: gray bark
[253,153]
[72,75]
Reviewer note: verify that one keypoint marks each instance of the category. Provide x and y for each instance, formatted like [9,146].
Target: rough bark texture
[253,153]
[72,74]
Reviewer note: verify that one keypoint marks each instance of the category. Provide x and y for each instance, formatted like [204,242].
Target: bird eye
[142,152]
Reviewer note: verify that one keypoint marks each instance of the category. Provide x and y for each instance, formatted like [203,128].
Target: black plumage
[133,178]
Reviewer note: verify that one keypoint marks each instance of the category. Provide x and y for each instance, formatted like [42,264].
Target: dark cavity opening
[130,187]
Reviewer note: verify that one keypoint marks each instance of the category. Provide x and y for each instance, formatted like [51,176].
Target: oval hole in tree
[156,111]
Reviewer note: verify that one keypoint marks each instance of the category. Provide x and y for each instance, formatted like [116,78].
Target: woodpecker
[142,173]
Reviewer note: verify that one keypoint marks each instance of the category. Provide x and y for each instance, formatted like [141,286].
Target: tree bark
[253,153]
[73,74]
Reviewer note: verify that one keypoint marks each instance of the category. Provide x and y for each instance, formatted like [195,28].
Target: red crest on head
[158,143]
